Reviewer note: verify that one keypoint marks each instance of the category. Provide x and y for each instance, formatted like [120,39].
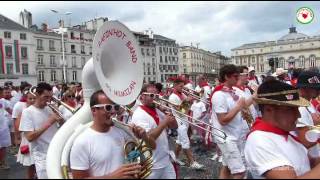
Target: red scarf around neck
[152,112]
[260,125]
[179,94]
[203,84]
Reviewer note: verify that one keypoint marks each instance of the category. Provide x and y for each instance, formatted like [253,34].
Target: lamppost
[61,31]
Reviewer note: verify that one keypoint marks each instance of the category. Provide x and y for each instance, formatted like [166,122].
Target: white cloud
[217,26]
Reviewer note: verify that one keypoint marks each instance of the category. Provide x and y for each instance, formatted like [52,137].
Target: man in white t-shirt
[199,111]
[39,125]
[155,123]
[309,86]
[5,140]
[98,152]
[271,151]
[177,99]
[226,116]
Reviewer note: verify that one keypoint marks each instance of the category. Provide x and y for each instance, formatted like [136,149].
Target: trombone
[223,136]
[192,94]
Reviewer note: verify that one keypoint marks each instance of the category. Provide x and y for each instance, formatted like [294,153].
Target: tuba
[116,68]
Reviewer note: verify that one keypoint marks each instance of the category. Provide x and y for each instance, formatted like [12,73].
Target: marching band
[261,129]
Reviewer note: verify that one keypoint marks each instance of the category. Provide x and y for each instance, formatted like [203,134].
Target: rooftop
[6,23]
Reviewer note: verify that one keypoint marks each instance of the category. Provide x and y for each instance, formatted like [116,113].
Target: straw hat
[279,71]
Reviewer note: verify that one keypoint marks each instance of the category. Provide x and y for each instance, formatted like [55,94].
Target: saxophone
[247,116]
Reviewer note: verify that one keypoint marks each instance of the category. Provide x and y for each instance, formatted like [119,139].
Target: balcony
[82,52]
[53,65]
[73,51]
[40,48]
[52,49]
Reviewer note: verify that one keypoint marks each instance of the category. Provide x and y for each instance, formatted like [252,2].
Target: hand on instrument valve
[139,132]
[55,118]
[126,171]
[241,103]
[316,118]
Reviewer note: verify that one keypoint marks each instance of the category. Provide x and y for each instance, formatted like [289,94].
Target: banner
[1,58]
[16,55]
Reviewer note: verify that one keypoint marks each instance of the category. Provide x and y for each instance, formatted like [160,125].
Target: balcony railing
[52,49]
[39,48]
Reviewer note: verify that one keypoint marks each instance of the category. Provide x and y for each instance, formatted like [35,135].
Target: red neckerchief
[231,92]
[252,78]
[203,84]
[23,99]
[260,125]
[179,94]
[294,82]
[315,103]
[152,112]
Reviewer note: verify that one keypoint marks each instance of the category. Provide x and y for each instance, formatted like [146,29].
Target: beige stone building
[292,50]
[195,61]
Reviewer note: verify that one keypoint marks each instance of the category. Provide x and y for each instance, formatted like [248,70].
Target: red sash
[203,84]
[152,112]
[260,125]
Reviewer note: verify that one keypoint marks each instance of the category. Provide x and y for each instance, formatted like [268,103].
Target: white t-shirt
[207,92]
[265,151]
[16,96]
[3,115]
[247,95]
[161,153]
[100,153]
[7,104]
[197,109]
[33,119]
[18,108]
[56,92]
[306,117]
[65,112]
[175,99]
[222,102]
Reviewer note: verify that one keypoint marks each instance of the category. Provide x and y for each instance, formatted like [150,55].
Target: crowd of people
[255,125]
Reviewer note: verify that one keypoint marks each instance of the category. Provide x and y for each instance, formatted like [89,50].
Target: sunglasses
[71,96]
[108,107]
[152,95]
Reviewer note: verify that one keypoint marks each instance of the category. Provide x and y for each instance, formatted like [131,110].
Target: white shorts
[167,172]
[233,155]
[183,138]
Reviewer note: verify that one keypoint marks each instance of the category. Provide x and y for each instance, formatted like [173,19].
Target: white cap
[251,69]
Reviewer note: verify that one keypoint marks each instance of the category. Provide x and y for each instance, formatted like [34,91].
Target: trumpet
[223,135]
[313,134]
[136,150]
[192,94]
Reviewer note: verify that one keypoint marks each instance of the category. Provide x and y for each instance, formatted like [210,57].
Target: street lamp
[61,31]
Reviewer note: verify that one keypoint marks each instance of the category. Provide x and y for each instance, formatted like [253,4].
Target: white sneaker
[215,157]
[196,165]
[180,162]
[220,159]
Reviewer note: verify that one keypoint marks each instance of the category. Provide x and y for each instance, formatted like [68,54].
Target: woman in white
[25,158]
[69,99]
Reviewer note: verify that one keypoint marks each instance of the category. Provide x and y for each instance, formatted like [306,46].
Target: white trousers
[163,173]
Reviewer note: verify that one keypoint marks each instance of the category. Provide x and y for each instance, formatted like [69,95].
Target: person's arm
[168,122]
[226,118]
[140,133]
[287,172]
[302,137]
[33,135]
[127,171]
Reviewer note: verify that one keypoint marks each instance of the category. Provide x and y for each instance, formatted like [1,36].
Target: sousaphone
[116,68]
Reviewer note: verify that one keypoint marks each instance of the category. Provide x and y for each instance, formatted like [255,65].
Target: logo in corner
[305,15]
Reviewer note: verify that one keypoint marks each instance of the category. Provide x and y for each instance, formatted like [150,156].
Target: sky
[216,26]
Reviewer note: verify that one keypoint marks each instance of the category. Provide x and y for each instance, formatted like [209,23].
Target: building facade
[16,53]
[293,50]
[195,62]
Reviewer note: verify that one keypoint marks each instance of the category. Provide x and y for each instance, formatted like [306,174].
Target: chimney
[44,27]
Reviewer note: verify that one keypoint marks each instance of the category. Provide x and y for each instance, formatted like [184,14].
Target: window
[74,62]
[7,34]
[262,68]
[72,35]
[24,52]
[160,59]
[142,51]
[302,61]
[39,44]
[25,69]
[83,61]
[9,68]
[90,50]
[41,76]
[51,45]
[73,48]
[53,61]
[148,53]
[312,61]
[8,51]
[184,55]
[53,75]
[74,76]
[253,60]
[153,52]
[81,36]
[160,49]
[82,49]
[23,36]
[40,59]
[165,59]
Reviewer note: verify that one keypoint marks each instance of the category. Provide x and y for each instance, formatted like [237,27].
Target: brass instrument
[136,151]
[192,94]
[313,134]
[221,134]
[247,116]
